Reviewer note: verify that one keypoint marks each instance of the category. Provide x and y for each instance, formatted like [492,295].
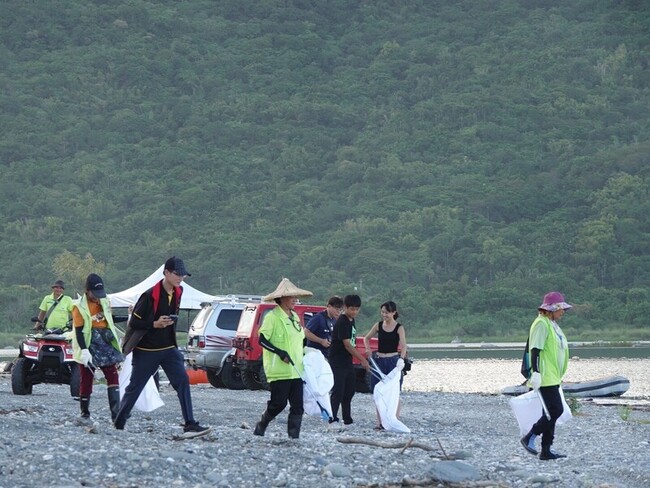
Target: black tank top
[388,341]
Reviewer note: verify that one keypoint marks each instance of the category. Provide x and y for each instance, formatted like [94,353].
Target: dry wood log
[431,483]
[465,484]
[406,446]
[642,405]
[391,445]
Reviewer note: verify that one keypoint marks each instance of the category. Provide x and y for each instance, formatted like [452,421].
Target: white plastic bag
[528,409]
[386,397]
[149,399]
[319,380]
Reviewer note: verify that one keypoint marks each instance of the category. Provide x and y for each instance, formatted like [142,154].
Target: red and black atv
[44,358]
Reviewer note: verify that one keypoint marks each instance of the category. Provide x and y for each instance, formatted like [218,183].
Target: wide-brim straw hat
[287,289]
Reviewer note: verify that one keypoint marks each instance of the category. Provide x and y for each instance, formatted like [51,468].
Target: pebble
[44,444]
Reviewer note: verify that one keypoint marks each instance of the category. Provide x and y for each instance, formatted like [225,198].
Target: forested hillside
[461,158]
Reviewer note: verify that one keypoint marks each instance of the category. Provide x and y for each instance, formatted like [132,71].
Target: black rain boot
[84,404]
[528,441]
[547,454]
[114,401]
[260,427]
[293,426]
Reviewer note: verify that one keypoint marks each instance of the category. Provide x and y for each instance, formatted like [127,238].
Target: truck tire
[231,376]
[19,374]
[362,380]
[250,379]
[214,378]
[254,378]
[263,380]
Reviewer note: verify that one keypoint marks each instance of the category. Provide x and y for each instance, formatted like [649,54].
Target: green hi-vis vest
[88,325]
[553,350]
[283,334]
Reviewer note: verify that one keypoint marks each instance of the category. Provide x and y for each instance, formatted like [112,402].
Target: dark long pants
[145,364]
[342,393]
[87,377]
[544,426]
[281,392]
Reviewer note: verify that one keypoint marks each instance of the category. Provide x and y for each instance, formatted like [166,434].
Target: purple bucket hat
[554,301]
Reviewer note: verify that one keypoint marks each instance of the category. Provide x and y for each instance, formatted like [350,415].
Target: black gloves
[284,355]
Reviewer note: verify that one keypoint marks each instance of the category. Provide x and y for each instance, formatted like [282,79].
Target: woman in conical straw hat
[281,337]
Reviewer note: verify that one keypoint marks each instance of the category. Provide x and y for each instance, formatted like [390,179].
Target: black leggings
[342,393]
[546,427]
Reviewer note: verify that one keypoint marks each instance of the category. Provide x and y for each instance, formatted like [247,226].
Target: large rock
[453,472]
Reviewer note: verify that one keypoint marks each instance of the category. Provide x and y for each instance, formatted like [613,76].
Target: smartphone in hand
[174,317]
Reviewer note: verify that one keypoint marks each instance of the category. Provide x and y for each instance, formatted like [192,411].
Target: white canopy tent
[191,299]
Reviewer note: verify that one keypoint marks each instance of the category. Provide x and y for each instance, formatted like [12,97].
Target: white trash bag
[528,409]
[319,380]
[149,399]
[386,397]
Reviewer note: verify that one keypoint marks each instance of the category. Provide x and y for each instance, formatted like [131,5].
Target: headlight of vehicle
[30,348]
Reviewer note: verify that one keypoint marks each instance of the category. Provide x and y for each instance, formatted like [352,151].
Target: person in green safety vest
[55,309]
[95,344]
[549,352]
[281,337]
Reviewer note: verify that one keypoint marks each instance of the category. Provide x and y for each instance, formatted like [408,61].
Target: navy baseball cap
[177,266]
[95,284]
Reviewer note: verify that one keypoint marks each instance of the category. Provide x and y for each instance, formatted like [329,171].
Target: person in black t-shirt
[341,353]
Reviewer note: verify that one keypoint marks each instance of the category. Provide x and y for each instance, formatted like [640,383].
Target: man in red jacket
[151,336]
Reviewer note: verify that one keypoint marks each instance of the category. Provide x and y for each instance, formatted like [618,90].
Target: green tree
[74,269]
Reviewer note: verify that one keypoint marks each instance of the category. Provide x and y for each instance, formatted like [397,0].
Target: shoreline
[11,352]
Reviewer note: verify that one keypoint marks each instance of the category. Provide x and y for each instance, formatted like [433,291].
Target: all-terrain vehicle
[45,358]
[246,355]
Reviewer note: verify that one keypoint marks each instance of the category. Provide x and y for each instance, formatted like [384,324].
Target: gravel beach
[44,444]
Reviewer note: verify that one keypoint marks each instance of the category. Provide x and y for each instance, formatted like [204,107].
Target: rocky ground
[44,444]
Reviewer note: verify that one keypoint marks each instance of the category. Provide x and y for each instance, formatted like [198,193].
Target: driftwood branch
[442,449]
[406,446]
[464,484]
[391,445]
[642,405]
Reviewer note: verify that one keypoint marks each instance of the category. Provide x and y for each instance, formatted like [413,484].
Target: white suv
[210,336]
